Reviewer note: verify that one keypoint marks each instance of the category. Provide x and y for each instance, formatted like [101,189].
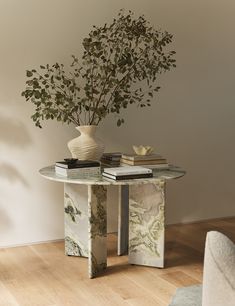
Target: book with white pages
[127,177]
[127,170]
[158,166]
[77,171]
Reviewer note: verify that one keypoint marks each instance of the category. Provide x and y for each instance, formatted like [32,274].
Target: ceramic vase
[87,145]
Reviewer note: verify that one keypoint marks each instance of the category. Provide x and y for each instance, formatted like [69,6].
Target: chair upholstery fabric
[219,271]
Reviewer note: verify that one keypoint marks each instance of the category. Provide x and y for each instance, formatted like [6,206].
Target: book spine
[160,166]
[111,155]
[143,162]
[128,177]
[141,157]
[78,171]
[145,171]
[110,161]
[110,165]
[80,166]
[127,162]
[157,166]
[113,158]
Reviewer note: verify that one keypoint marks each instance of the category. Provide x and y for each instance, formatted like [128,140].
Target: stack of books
[74,168]
[153,161]
[127,173]
[111,159]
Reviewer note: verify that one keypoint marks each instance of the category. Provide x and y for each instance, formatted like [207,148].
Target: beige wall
[191,122]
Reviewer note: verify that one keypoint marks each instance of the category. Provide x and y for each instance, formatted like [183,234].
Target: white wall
[191,122]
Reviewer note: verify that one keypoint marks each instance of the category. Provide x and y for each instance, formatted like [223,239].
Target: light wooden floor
[42,275]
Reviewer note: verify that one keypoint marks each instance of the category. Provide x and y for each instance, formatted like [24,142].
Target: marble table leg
[97,229]
[76,220]
[123,219]
[146,224]
[86,224]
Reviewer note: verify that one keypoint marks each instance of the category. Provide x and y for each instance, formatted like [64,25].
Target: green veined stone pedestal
[146,224]
[86,224]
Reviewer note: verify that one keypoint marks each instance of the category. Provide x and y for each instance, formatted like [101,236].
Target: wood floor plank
[41,275]
[179,279]
[6,298]
[152,283]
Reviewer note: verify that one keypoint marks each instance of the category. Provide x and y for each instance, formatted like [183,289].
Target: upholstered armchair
[218,288]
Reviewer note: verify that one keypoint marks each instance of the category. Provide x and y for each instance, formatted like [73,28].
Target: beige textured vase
[87,145]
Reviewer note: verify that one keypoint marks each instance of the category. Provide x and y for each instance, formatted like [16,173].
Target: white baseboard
[29,243]
[200,221]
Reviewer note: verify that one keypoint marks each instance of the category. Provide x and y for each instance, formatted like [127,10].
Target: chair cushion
[219,271]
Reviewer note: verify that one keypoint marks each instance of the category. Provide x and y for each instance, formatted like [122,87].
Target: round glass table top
[158,175]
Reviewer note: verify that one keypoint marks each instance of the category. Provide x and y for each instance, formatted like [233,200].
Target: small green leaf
[29,73]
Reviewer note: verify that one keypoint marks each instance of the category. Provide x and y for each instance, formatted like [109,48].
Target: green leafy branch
[119,67]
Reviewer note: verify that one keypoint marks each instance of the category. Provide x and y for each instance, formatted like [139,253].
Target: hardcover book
[144,162]
[116,156]
[134,157]
[73,173]
[128,177]
[77,164]
[157,166]
[128,170]
[110,164]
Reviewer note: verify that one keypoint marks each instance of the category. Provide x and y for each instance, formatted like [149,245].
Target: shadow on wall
[13,132]
[5,221]
[11,174]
